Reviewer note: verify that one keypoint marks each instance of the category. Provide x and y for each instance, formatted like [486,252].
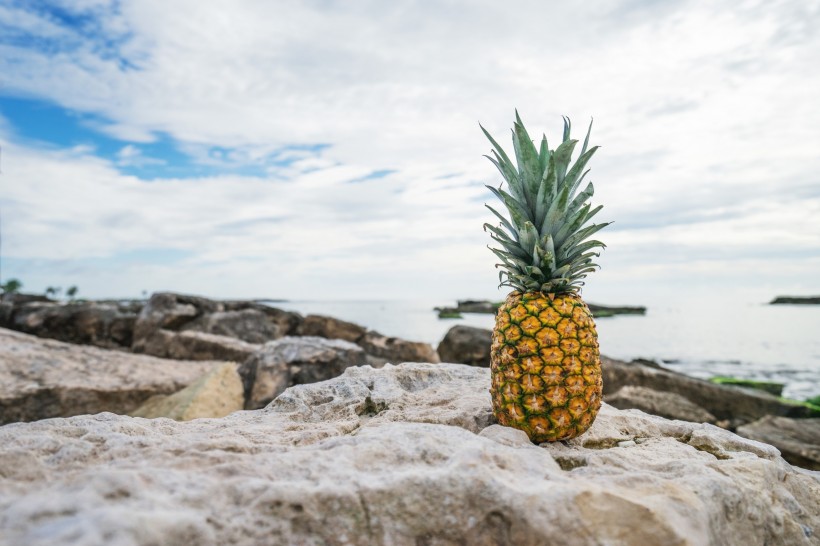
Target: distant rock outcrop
[798,300]
[489,307]
[406,454]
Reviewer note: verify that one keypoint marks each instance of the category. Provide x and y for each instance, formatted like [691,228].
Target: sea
[779,343]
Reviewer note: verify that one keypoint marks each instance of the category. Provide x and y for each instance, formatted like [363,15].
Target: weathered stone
[331,328]
[216,394]
[163,310]
[376,361]
[397,350]
[104,324]
[292,361]
[663,404]
[42,378]
[245,320]
[189,345]
[403,455]
[466,345]
[250,325]
[265,375]
[797,439]
[735,405]
[287,322]
[6,313]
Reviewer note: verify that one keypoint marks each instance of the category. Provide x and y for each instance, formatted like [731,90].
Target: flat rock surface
[403,455]
[42,378]
[797,439]
[661,403]
[735,405]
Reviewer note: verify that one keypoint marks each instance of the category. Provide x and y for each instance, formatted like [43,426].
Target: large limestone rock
[403,455]
[41,378]
[797,439]
[216,394]
[466,345]
[293,361]
[663,404]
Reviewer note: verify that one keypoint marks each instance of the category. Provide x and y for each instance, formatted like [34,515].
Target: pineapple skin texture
[546,366]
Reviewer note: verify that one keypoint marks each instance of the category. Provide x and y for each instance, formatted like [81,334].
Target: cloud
[706,113]
[131,156]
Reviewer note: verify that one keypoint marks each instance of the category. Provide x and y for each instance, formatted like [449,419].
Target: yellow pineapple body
[546,367]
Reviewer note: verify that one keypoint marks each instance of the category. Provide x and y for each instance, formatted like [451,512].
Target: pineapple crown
[544,243]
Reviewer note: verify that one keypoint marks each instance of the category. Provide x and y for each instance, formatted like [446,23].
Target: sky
[331,150]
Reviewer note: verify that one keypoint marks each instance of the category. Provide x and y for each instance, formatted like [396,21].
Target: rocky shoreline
[400,427]
[489,307]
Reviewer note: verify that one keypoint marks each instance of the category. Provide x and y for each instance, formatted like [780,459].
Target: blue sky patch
[372,176]
[43,123]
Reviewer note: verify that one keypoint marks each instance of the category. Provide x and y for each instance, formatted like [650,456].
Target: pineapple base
[546,366]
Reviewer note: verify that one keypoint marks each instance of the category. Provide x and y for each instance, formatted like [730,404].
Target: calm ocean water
[750,341]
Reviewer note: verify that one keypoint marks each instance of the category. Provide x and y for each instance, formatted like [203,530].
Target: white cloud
[706,112]
[131,156]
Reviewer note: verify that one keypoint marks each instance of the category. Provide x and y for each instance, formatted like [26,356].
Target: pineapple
[546,367]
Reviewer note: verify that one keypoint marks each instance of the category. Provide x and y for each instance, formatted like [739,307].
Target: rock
[407,454]
[163,311]
[244,320]
[250,325]
[42,378]
[106,324]
[293,361]
[189,345]
[287,322]
[216,394]
[466,345]
[477,306]
[797,439]
[331,328]
[396,350]
[6,313]
[488,307]
[663,404]
[735,405]
[16,298]
[800,300]
[609,310]
[375,361]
